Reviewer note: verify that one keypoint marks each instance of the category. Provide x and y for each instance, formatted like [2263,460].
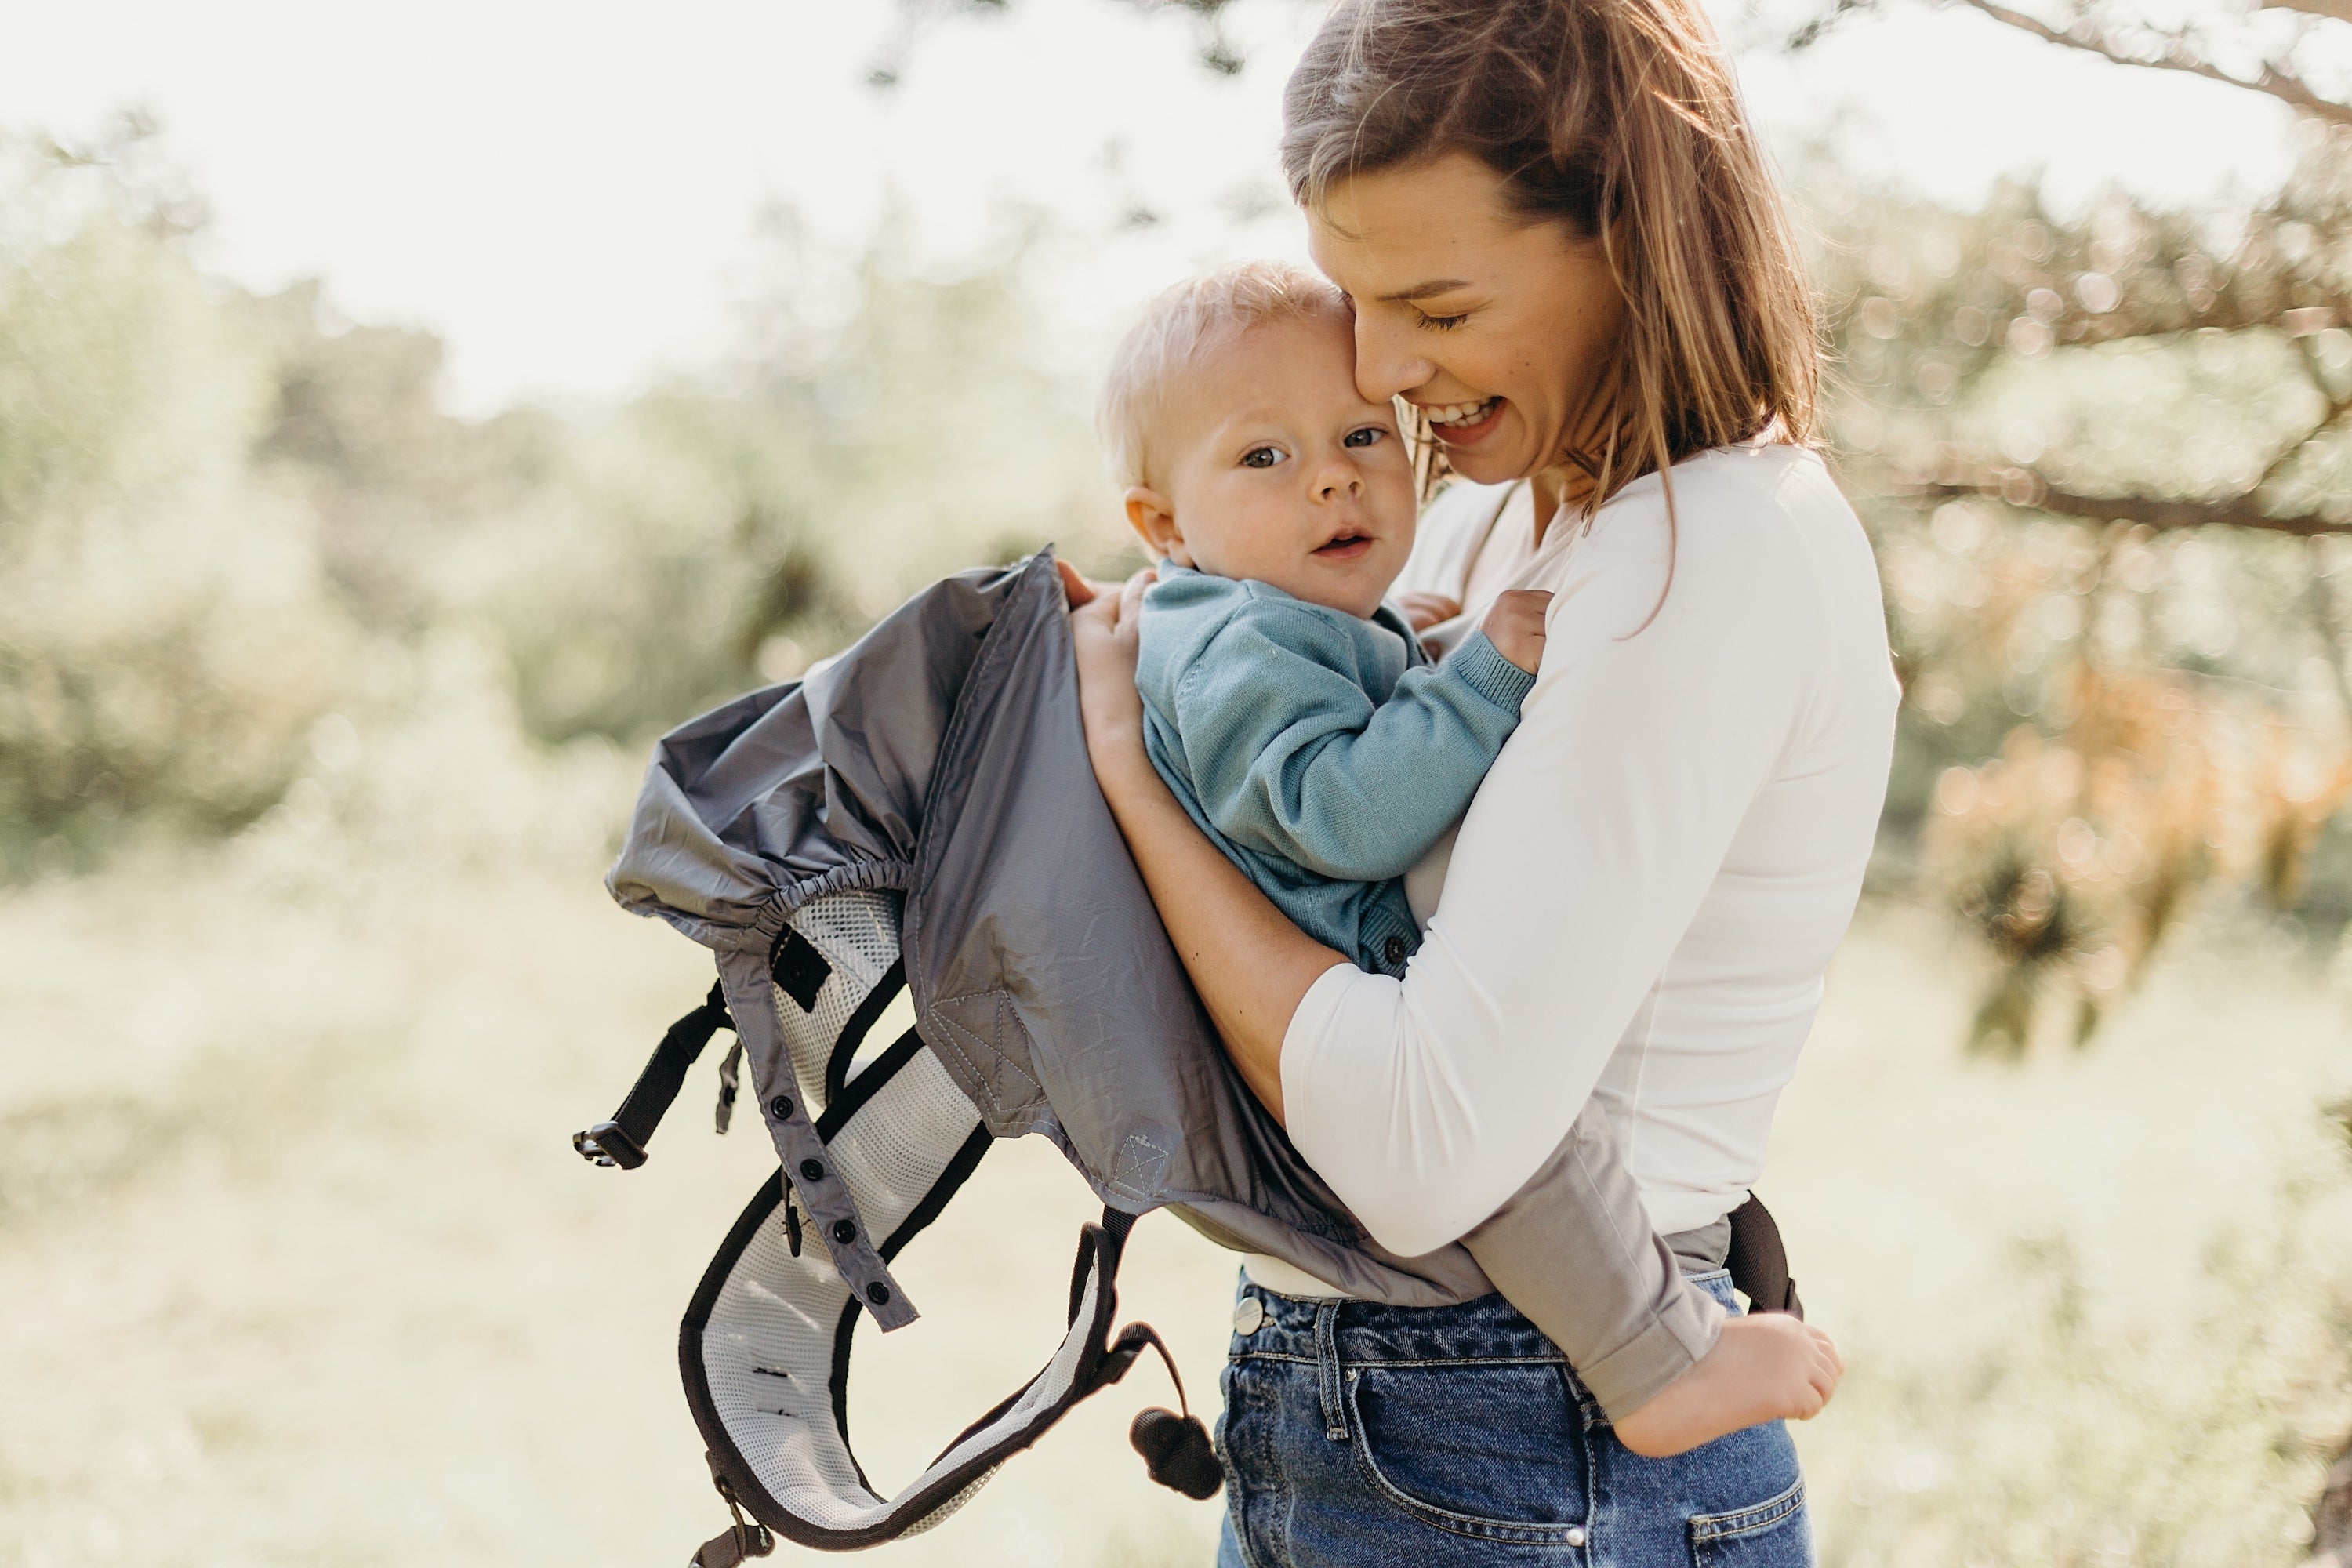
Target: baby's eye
[1369,435]
[1262,457]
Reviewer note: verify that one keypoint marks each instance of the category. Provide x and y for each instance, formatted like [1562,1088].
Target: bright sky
[572,196]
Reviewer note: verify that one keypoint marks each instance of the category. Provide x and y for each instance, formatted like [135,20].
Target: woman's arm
[1249,963]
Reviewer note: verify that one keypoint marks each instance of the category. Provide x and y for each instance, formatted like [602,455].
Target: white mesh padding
[767,1343]
[767,1349]
[857,933]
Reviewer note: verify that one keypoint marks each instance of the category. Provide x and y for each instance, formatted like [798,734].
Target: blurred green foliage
[2104,456]
[223,517]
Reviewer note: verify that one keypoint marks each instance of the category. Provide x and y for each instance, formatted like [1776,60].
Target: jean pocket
[1772,1534]
[1491,1450]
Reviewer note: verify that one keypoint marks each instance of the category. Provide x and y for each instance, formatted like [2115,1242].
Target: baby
[1296,717]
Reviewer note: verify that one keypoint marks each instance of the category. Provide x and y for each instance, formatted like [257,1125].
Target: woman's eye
[1261,456]
[1369,435]
[1445,323]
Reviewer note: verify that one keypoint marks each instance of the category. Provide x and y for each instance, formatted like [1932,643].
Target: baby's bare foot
[1768,1367]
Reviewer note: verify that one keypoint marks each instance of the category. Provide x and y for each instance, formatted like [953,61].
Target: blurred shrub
[223,516]
[718,533]
[164,640]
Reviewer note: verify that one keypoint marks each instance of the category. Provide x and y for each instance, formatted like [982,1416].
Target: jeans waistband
[1486,1330]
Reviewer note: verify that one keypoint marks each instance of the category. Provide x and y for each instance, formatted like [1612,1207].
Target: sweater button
[1394,949]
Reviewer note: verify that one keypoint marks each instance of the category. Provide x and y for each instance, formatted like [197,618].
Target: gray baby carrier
[919,815]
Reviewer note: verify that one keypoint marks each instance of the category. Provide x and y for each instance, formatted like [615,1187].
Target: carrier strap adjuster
[622,1140]
[608,1143]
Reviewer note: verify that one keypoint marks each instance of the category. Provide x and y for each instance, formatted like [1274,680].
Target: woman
[1564,250]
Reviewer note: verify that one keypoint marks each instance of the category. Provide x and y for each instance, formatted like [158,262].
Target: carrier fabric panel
[942,754]
[1042,972]
[796,788]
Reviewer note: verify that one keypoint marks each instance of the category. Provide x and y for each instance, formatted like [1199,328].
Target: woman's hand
[1423,611]
[1104,623]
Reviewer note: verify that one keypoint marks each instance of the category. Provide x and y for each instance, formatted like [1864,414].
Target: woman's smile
[1463,424]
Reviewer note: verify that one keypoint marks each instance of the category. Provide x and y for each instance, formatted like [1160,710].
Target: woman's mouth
[1345,547]
[1459,424]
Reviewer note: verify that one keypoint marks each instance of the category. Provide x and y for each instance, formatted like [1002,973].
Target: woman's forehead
[1399,233]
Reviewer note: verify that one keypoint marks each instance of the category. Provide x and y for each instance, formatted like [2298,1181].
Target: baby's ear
[1153,517]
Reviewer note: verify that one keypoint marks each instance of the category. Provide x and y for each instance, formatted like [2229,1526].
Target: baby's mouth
[1344,546]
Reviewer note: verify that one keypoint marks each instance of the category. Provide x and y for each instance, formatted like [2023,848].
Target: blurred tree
[1212,46]
[2107,460]
[164,640]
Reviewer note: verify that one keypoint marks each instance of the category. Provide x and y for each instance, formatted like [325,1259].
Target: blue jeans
[1355,1434]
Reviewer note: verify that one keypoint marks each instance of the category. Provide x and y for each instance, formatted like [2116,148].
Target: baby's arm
[1293,759]
[1573,1250]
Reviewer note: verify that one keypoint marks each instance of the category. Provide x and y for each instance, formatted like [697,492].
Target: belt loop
[1326,1371]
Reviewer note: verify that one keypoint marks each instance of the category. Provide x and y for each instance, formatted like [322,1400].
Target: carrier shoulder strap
[782,1495]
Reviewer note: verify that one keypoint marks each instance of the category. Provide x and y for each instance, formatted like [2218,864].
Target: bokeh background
[404,417]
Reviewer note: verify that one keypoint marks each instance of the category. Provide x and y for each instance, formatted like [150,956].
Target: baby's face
[1279,470]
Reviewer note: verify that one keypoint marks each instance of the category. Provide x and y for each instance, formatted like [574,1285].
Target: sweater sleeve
[1427,1101]
[1293,759]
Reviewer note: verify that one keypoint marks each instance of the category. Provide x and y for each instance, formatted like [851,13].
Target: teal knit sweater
[1322,753]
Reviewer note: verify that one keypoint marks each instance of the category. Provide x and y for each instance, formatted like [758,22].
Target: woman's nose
[1386,365]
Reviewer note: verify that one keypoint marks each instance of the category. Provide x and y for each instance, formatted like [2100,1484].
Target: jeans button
[1576,1536]
[1249,1316]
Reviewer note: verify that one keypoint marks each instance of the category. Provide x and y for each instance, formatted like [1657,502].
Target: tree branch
[2285,87]
[2162,513]
[2320,600]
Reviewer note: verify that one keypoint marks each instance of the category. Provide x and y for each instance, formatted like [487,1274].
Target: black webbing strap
[1758,1263]
[622,1140]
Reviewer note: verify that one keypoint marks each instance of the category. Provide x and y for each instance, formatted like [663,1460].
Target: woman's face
[1499,329]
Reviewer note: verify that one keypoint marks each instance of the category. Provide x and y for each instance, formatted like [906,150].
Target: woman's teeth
[1453,414]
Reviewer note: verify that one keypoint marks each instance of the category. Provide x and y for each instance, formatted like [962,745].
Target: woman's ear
[1153,517]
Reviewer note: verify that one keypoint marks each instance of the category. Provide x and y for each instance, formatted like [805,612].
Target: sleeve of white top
[1427,1101]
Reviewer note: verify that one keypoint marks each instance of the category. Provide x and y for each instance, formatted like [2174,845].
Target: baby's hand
[1767,1367]
[1515,625]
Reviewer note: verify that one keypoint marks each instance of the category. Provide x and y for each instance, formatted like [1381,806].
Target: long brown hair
[1618,119]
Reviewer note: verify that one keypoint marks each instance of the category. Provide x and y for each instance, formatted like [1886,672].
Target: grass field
[299,1267]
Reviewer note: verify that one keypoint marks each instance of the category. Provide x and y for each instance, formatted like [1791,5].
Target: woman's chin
[1488,463]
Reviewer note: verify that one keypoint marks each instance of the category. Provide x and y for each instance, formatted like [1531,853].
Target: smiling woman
[1560,237]
[1562,248]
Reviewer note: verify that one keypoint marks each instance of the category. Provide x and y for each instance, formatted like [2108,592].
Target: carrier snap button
[878,1294]
[1575,1536]
[812,1170]
[1394,949]
[779,1108]
[844,1232]
[1249,1315]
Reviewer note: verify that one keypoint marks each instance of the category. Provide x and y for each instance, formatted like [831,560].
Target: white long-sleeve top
[1643,897]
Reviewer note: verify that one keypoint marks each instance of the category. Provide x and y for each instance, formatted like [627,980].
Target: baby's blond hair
[1177,327]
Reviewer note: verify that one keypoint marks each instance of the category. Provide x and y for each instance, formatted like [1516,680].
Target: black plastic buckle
[606,1144]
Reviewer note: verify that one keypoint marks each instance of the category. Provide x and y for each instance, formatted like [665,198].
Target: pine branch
[2276,83]
[2023,487]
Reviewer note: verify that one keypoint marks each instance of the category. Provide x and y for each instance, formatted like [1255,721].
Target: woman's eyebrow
[1424,290]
